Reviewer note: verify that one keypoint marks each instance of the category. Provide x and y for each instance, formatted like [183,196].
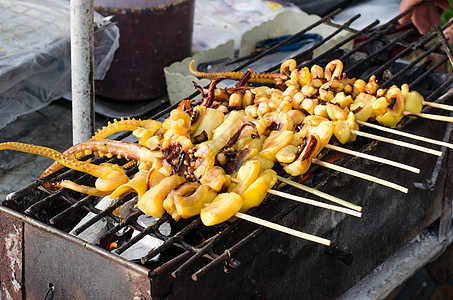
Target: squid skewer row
[316,80]
[96,170]
[334,71]
[394,98]
[334,199]
[138,177]
[164,179]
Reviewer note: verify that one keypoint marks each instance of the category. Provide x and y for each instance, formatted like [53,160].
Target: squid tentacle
[103,171]
[112,128]
[125,125]
[92,191]
[109,148]
[255,77]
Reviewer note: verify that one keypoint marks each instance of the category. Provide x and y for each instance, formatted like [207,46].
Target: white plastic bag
[218,21]
[35,59]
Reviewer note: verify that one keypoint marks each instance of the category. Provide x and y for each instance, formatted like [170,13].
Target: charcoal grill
[242,260]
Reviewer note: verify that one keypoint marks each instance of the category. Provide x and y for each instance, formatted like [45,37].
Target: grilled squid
[309,149]
[216,158]
[187,200]
[151,202]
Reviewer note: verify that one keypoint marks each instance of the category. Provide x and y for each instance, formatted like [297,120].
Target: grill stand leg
[82,69]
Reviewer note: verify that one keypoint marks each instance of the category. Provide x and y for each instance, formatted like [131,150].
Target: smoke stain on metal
[11,232]
[47,256]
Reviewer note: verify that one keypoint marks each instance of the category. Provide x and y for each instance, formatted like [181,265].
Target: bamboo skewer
[438,105]
[354,212]
[373,158]
[429,116]
[315,203]
[283,229]
[405,134]
[319,193]
[360,175]
[397,142]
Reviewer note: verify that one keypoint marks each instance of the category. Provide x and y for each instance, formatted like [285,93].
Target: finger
[405,5]
[448,32]
[405,18]
[433,15]
[420,18]
[444,4]
[449,35]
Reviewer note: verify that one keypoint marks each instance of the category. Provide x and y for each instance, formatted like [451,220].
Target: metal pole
[82,69]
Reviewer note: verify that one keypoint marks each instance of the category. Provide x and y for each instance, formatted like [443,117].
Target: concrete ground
[50,127]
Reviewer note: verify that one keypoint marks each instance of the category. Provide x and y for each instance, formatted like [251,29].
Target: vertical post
[82,69]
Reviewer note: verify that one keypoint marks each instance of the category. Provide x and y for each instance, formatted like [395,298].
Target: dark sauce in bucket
[153,35]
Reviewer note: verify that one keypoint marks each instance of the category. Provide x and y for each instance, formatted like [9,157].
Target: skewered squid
[216,158]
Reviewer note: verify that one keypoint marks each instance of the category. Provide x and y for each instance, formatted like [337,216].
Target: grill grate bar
[201,252]
[359,63]
[323,41]
[226,255]
[318,44]
[86,200]
[41,203]
[374,36]
[180,258]
[416,61]
[427,73]
[339,45]
[127,221]
[378,35]
[99,216]
[284,42]
[177,237]
[192,259]
[437,92]
[150,230]
[390,62]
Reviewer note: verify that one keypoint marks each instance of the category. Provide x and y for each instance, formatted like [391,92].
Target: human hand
[448,32]
[425,15]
